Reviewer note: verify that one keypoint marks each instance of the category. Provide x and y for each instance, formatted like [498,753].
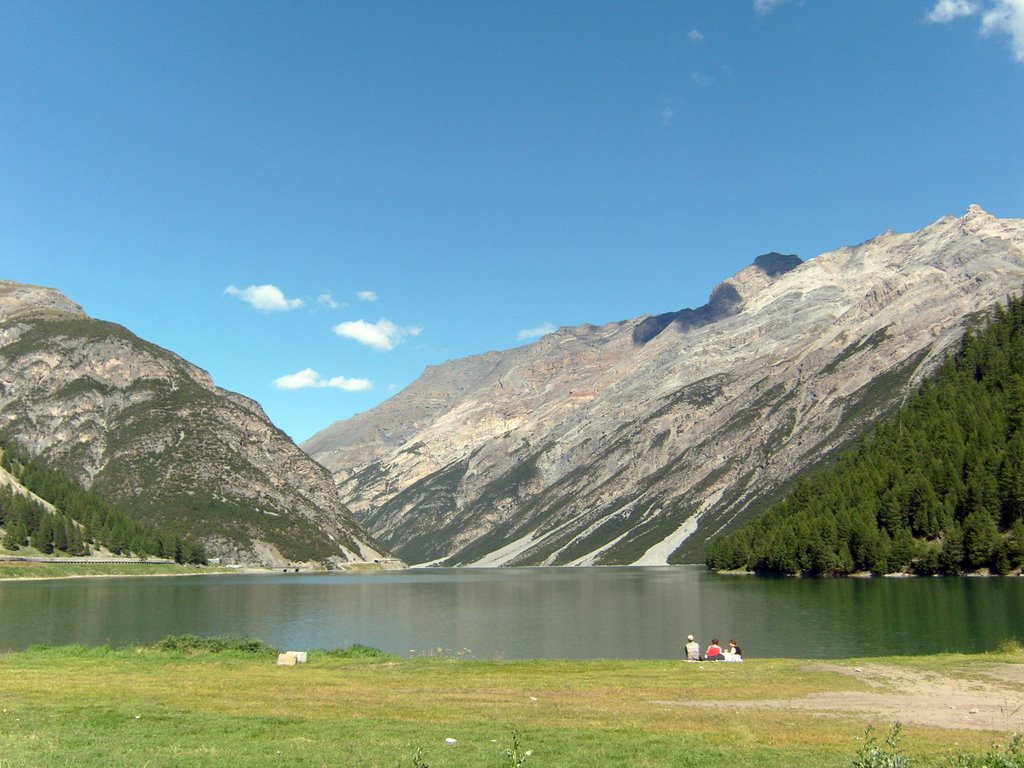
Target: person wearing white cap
[692,649]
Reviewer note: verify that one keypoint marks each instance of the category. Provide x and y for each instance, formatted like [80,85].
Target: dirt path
[993,699]
[989,698]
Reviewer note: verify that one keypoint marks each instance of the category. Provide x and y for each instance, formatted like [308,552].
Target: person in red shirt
[714,652]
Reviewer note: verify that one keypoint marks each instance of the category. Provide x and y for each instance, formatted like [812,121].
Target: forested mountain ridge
[42,509]
[937,488]
[638,441]
[150,434]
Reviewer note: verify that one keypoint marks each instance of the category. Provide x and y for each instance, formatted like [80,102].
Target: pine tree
[903,551]
[980,540]
[1011,480]
[42,536]
[60,535]
[951,555]
[75,545]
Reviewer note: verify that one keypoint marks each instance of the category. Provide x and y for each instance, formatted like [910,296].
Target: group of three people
[714,652]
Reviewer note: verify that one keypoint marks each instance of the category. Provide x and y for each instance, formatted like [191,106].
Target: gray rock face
[637,441]
[150,431]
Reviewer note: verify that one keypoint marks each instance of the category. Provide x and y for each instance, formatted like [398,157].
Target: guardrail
[81,560]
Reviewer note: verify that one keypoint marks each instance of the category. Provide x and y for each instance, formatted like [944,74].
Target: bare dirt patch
[991,699]
[988,698]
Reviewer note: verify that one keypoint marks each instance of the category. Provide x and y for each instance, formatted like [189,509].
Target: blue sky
[315,200]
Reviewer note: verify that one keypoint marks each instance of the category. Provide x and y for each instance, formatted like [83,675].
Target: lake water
[526,613]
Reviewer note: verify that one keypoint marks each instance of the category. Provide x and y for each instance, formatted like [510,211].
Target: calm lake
[526,613]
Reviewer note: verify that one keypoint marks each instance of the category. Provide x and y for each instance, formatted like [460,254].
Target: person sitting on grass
[714,652]
[733,653]
[692,649]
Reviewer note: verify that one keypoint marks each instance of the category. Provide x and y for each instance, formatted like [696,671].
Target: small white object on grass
[451,742]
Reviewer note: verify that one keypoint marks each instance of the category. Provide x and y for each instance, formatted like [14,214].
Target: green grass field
[78,706]
[20,569]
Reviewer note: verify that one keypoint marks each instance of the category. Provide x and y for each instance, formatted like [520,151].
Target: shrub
[1011,646]
[873,755]
[358,651]
[194,644]
[997,757]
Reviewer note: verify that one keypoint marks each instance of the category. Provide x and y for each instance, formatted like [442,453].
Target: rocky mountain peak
[978,222]
[727,298]
[18,298]
[774,264]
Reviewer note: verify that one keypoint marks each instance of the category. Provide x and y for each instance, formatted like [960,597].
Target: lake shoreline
[134,569]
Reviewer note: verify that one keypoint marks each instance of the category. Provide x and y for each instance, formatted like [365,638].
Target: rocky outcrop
[637,441]
[151,432]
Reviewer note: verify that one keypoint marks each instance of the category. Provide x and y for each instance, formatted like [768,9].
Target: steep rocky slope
[150,431]
[637,441]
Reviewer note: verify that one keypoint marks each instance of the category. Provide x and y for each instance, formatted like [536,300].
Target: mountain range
[634,442]
[638,441]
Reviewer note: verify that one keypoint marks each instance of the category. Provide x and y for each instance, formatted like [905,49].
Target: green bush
[193,644]
[358,651]
[873,755]
[997,757]
[1011,646]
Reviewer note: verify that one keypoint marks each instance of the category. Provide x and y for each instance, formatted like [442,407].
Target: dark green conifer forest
[81,521]
[937,488]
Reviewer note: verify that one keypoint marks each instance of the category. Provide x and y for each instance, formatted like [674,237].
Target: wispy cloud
[367,296]
[328,301]
[1005,16]
[695,35]
[383,335]
[310,379]
[764,7]
[536,333]
[947,10]
[668,114]
[700,80]
[266,298]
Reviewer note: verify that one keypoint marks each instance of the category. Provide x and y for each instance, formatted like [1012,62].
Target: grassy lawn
[20,569]
[79,706]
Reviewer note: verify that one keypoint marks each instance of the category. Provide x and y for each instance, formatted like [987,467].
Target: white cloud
[266,298]
[695,35]
[367,296]
[310,379]
[383,335]
[536,333]
[947,10]
[1007,16]
[999,16]
[764,7]
[328,301]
